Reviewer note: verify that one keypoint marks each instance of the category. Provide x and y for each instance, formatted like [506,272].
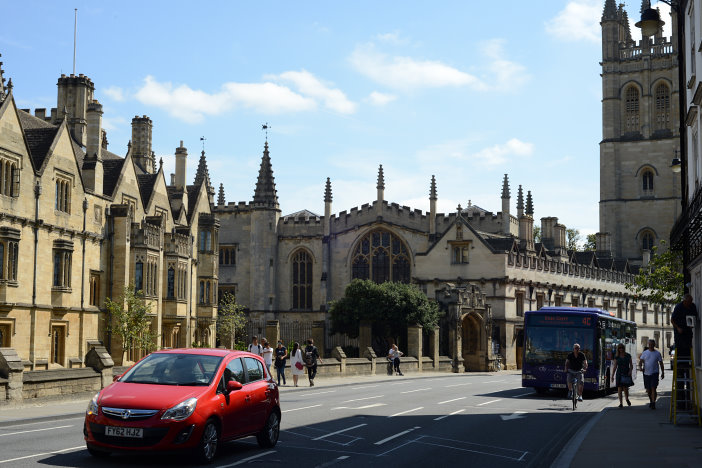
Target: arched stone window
[301,281]
[381,256]
[662,112]
[648,240]
[631,123]
[647,180]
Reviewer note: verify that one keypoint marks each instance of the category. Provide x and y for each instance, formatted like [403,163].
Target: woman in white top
[296,363]
[394,356]
[267,355]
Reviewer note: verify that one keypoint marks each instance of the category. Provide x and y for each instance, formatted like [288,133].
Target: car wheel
[268,436]
[97,453]
[209,442]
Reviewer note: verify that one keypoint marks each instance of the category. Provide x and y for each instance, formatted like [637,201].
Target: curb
[38,419]
[565,458]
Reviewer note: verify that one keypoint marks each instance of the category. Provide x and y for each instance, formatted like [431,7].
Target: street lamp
[650,22]
[676,164]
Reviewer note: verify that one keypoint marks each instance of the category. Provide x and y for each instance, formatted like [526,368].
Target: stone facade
[79,223]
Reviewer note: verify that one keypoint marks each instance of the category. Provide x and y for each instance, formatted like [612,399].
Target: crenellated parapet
[146,235]
[177,244]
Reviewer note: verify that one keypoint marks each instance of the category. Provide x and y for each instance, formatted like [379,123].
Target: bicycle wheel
[575,394]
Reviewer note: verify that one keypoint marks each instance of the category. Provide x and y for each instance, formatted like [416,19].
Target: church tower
[639,193]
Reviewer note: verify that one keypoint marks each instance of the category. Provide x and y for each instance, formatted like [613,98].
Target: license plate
[133,432]
[558,385]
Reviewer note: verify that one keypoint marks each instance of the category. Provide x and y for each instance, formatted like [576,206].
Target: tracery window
[631,123]
[381,256]
[662,112]
[647,180]
[647,240]
[63,195]
[302,281]
[9,178]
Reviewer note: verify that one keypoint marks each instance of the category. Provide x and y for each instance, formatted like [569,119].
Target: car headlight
[93,405]
[181,411]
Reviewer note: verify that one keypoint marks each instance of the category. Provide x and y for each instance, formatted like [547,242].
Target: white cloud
[507,75]
[192,105]
[113,123]
[115,93]
[579,20]
[392,38]
[492,156]
[310,86]
[380,99]
[406,72]
[498,154]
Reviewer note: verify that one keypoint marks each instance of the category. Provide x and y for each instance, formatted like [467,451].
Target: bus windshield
[550,345]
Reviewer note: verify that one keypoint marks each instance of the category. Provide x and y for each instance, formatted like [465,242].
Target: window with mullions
[227,255]
[171,283]
[381,256]
[63,195]
[9,178]
[647,240]
[631,123]
[62,268]
[205,241]
[662,115]
[302,281]
[9,257]
[647,180]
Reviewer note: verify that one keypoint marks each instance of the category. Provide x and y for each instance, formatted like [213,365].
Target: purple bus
[549,335]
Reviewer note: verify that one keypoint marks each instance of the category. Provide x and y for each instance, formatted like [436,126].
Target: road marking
[467,447]
[447,415]
[34,430]
[515,415]
[339,432]
[38,422]
[405,412]
[459,384]
[55,452]
[523,394]
[381,442]
[493,381]
[402,383]
[298,409]
[246,460]
[317,393]
[365,386]
[449,401]
[360,407]
[343,457]
[417,390]
[361,399]
[488,402]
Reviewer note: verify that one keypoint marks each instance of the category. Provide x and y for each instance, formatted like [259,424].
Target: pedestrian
[267,354]
[622,369]
[311,357]
[575,366]
[649,361]
[296,363]
[394,356]
[281,354]
[255,348]
[682,333]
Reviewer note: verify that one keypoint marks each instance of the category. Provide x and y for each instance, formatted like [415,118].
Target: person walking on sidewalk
[267,356]
[576,363]
[622,370]
[311,357]
[297,365]
[254,347]
[649,361]
[281,354]
[394,356]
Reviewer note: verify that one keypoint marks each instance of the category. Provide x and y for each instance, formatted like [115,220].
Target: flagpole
[75,34]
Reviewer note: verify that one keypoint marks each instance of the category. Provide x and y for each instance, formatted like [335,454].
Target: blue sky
[463,90]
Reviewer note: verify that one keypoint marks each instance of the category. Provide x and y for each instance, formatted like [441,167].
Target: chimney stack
[92,164]
[181,155]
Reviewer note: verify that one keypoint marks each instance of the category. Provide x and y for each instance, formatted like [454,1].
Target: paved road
[483,420]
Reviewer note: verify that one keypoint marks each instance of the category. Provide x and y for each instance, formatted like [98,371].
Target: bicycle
[576,380]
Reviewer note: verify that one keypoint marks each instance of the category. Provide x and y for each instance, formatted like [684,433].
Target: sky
[466,91]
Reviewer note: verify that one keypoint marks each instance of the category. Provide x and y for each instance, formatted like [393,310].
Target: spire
[529,205]
[2,83]
[432,190]
[627,28]
[327,191]
[203,176]
[505,187]
[265,193]
[381,178]
[645,5]
[220,196]
[610,10]
[520,199]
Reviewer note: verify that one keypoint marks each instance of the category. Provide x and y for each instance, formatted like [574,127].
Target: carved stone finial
[328,191]
[432,190]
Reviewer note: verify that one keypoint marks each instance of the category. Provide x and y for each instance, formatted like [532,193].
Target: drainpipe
[82,272]
[37,194]
[111,237]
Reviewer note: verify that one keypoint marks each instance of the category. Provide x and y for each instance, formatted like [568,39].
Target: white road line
[55,452]
[449,401]
[493,381]
[39,422]
[417,390]
[298,409]
[459,384]
[246,460]
[488,402]
[361,399]
[381,442]
[523,394]
[365,386]
[374,405]
[339,432]
[405,412]
[447,415]
[34,430]
[343,457]
[317,393]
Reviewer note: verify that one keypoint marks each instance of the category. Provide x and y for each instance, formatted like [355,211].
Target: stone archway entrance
[474,342]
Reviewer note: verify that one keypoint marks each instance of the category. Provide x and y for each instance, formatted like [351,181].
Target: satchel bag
[298,365]
[626,381]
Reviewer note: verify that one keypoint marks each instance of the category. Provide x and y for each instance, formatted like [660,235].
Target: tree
[231,319]
[590,243]
[661,281]
[390,306]
[129,320]
[573,236]
[537,234]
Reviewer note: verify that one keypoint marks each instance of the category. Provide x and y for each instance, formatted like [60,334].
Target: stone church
[78,223]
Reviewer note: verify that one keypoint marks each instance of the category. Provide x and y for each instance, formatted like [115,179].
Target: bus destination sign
[560,320]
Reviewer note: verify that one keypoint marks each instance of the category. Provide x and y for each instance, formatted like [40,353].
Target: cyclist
[575,364]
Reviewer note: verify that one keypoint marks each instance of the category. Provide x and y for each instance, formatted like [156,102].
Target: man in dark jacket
[683,346]
[310,357]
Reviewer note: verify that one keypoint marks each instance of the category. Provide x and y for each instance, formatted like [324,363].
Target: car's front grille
[152,436]
[127,414]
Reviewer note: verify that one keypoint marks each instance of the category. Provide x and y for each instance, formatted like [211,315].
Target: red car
[185,399]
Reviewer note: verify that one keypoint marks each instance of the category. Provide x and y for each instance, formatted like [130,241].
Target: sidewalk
[634,436]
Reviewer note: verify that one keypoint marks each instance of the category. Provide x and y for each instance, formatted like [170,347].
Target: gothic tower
[639,193]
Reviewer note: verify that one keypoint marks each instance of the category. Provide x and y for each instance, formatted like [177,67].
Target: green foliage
[390,305]
[130,321]
[590,243]
[661,281]
[573,236]
[231,319]
[537,234]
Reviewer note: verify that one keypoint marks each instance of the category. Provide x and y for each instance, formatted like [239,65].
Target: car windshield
[174,369]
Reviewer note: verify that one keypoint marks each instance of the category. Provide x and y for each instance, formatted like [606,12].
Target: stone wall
[60,383]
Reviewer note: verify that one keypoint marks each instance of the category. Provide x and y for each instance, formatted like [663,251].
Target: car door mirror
[116,378]
[233,385]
